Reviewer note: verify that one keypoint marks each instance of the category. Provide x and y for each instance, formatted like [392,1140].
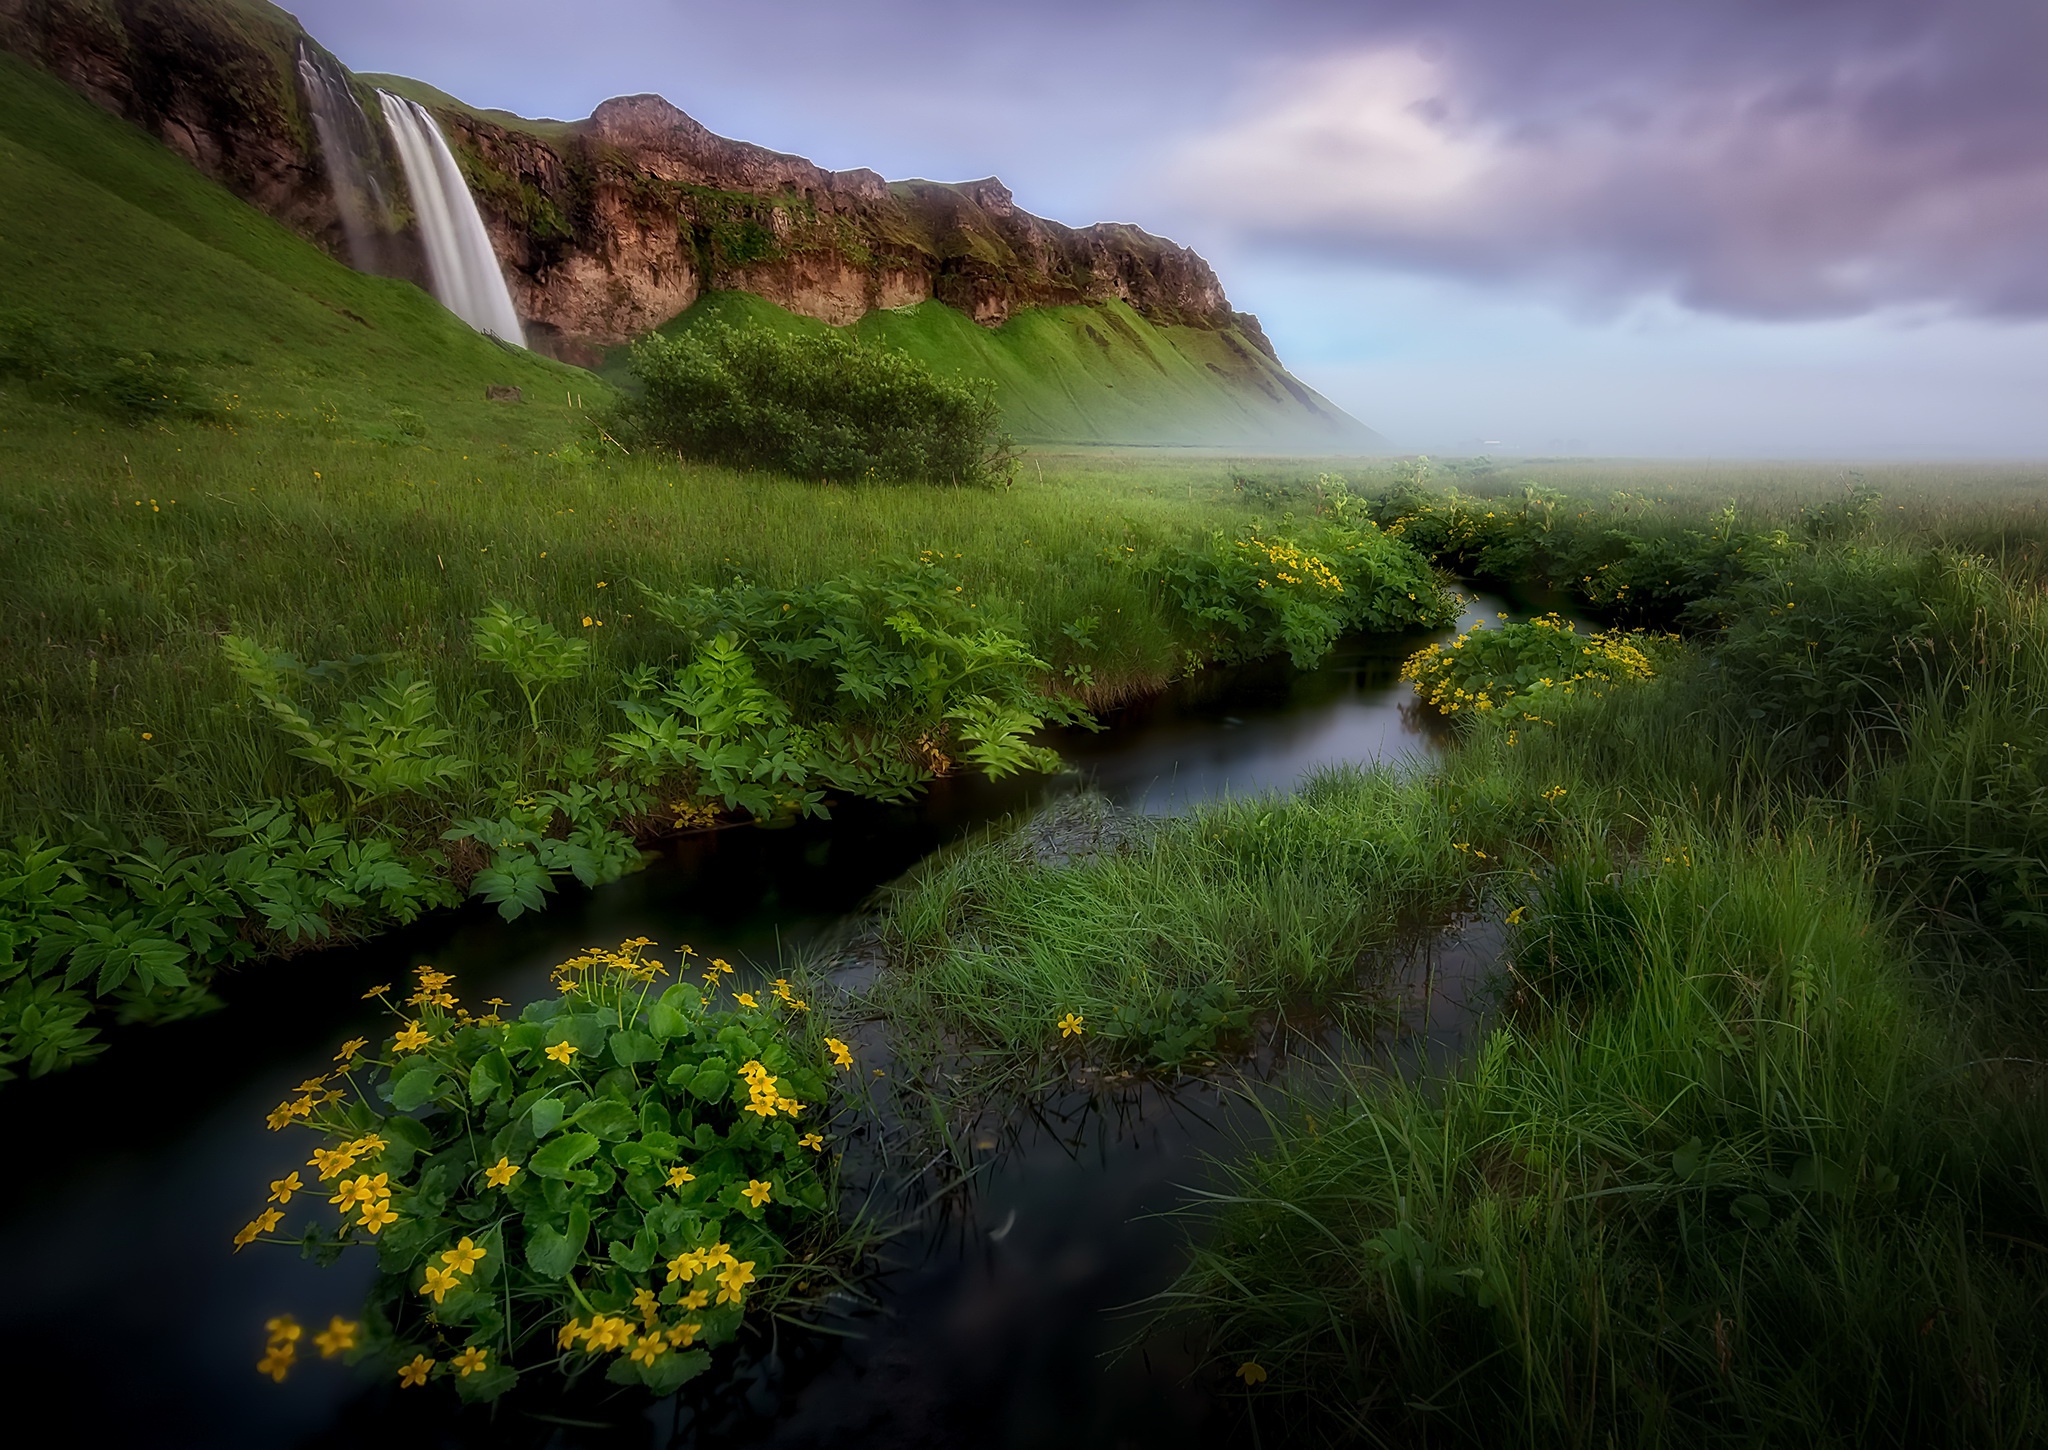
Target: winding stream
[993,1324]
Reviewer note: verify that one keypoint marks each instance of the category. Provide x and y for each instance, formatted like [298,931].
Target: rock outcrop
[611,225]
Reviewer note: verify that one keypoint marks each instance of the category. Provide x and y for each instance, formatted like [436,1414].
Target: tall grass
[1240,907]
[1719,1179]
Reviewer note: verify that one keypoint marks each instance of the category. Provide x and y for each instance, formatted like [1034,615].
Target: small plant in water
[614,1177]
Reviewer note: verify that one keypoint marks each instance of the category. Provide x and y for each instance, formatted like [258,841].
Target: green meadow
[305,636]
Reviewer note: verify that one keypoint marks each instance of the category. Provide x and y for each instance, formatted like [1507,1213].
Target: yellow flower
[649,1348]
[412,1039]
[842,1055]
[283,1329]
[376,1216]
[471,1361]
[350,1048]
[369,1143]
[1070,1025]
[282,1189]
[647,1304]
[685,1266]
[339,1335]
[562,1051]
[695,1299]
[812,1141]
[464,1257]
[245,1236]
[569,1334]
[607,1332]
[679,1175]
[756,1192]
[745,999]
[683,1335]
[416,1372]
[1251,1372]
[277,1361]
[279,1117]
[733,1281]
[267,1220]
[501,1172]
[439,1282]
[377,991]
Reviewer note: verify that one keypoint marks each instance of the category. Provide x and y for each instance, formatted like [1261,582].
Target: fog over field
[1586,227]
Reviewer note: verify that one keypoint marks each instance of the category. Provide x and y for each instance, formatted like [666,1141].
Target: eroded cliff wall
[611,225]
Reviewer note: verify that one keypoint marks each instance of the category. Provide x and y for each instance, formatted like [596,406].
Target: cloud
[1843,161]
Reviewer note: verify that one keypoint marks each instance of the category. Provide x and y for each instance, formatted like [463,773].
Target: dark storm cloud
[1763,158]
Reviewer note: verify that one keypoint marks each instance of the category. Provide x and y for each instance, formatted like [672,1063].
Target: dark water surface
[126,1314]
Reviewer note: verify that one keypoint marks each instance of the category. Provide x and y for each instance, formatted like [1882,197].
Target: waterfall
[459,256]
[349,148]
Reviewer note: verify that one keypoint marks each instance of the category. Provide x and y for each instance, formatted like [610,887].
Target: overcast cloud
[1846,197]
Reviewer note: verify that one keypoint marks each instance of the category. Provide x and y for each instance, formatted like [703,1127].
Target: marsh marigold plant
[611,1180]
[1519,667]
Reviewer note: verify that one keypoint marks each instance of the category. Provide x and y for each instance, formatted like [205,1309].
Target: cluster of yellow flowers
[694,815]
[367,1197]
[628,961]
[1291,565]
[842,1055]
[1602,660]
[456,1264]
[765,1097]
[281,1346]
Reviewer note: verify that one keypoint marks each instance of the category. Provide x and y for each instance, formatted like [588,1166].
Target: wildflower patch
[1520,667]
[613,1179]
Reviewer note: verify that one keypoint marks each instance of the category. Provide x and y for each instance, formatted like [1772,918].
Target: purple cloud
[1764,160]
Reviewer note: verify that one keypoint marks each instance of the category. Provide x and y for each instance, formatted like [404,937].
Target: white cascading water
[349,149]
[459,256]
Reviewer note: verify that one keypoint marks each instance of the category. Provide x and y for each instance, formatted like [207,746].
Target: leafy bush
[824,407]
[1823,649]
[1300,590]
[868,684]
[1520,666]
[615,1177]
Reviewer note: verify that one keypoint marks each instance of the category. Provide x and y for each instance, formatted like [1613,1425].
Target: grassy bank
[1753,1153]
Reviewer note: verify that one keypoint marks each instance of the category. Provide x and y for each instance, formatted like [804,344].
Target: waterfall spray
[459,256]
[349,148]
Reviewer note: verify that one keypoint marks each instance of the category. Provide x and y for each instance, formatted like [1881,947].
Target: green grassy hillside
[113,247]
[1095,374]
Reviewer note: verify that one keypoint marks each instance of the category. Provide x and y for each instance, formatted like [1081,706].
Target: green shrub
[1301,587]
[822,407]
[612,1178]
[1519,667]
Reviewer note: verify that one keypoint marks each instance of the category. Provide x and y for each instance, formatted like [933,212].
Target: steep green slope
[110,242]
[1095,374]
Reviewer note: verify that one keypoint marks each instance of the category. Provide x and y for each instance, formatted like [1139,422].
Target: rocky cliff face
[612,225]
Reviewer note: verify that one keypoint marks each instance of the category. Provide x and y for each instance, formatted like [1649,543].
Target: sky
[1740,228]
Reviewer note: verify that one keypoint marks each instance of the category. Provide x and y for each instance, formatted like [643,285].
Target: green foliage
[388,742]
[821,407]
[610,1182]
[1636,567]
[862,684]
[533,652]
[1519,665]
[1302,586]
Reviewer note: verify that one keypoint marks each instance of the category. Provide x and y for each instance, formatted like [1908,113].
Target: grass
[1237,909]
[1755,1153]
